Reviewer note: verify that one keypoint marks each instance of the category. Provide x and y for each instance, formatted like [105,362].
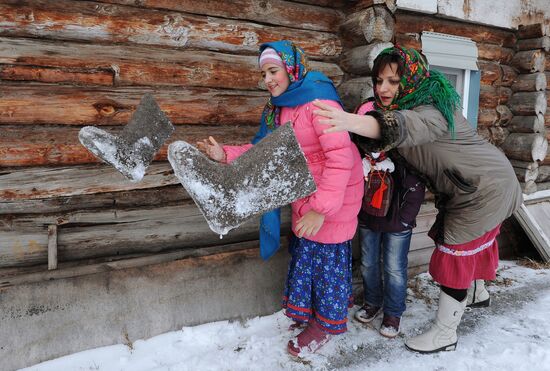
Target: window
[456,58]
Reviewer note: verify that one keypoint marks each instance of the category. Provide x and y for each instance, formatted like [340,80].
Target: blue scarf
[305,86]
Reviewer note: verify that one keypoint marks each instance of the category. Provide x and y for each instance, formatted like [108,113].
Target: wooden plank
[52,247]
[53,145]
[24,275]
[490,72]
[105,23]
[65,105]
[124,65]
[43,183]
[115,232]
[410,22]
[535,220]
[148,197]
[274,12]
[495,53]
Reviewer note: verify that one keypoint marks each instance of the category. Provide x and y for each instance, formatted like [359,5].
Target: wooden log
[509,75]
[530,82]
[363,4]
[526,175]
[274,12]
[543,186]
[111,24]
[488,97]
[147,197]
[366,26]
[46,146]
[547,75]
[498,135]
[533,31]
[544,174]
[504,115]
[529,187]
[407,22]
[504,94]
[359,60]
[64,105]
[487,117]
[93,234]
[524,165]
[326,3]
[50,62]
[495,53]
[529,61]
[53,182]
[528,103]
[409,40]
[52,247]
[490,72]
[355,91]
[536,43]
[525,147]
[527,124]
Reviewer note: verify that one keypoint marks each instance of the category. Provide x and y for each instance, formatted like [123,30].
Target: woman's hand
[309,224]
[366,126]
[212,149]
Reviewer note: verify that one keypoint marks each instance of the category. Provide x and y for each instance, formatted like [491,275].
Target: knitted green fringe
[438,91]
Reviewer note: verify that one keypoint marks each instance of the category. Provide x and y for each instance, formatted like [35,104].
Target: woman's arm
[366,126]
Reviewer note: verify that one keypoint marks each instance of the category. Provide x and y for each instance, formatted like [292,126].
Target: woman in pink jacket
[318,287]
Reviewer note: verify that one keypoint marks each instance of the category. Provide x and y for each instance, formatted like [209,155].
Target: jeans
[393,249]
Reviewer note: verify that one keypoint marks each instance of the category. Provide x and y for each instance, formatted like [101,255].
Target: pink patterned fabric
[335,164]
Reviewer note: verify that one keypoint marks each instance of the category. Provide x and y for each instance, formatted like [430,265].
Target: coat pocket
[457,179]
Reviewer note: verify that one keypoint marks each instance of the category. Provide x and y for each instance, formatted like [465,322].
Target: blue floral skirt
[318,284]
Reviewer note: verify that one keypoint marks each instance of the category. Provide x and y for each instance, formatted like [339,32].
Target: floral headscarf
[420,86]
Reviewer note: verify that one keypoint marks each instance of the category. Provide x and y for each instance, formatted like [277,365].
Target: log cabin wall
[68,64]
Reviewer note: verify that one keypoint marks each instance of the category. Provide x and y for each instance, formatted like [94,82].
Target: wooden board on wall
[47,61]
[88,21]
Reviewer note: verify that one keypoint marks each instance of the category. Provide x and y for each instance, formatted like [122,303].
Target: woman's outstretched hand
[212,149]
[309,224]
[342,121]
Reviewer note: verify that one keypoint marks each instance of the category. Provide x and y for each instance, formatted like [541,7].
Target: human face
[275,78]
[387,84]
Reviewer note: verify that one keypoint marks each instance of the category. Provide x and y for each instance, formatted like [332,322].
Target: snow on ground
[513,334]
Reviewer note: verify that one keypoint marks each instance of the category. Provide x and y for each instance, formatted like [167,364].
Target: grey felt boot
[442,335]
[478,296]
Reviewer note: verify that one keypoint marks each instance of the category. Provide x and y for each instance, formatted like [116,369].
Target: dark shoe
[367,313]
[390,326]
[309,340]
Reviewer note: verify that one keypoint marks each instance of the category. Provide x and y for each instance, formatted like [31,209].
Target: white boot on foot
[478,296]
[442,335]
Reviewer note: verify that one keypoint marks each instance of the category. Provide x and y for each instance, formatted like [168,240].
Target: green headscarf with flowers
[419,86]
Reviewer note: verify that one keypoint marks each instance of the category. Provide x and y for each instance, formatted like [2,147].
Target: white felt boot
[478,296]
[442,335]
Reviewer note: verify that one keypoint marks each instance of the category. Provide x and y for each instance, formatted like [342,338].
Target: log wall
[67,64]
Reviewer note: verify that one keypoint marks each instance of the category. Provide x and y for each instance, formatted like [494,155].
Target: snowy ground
[513,334]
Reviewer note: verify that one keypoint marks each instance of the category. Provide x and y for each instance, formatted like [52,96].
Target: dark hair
[382,61]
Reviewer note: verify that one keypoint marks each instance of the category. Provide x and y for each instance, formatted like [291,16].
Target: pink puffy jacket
[335,164]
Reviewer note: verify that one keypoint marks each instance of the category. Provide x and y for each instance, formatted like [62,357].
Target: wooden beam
[359,60]
[530,82]
[112,24]
[124,65]
[44,145]
[525,147]
[529,61]
[273,12]
[528,103]
[527,124]
[65,105]
[533,31]
[410,22]
[366,26]
[52,247]
[536,43]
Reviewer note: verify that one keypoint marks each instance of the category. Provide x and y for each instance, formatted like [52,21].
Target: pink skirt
[456,266]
